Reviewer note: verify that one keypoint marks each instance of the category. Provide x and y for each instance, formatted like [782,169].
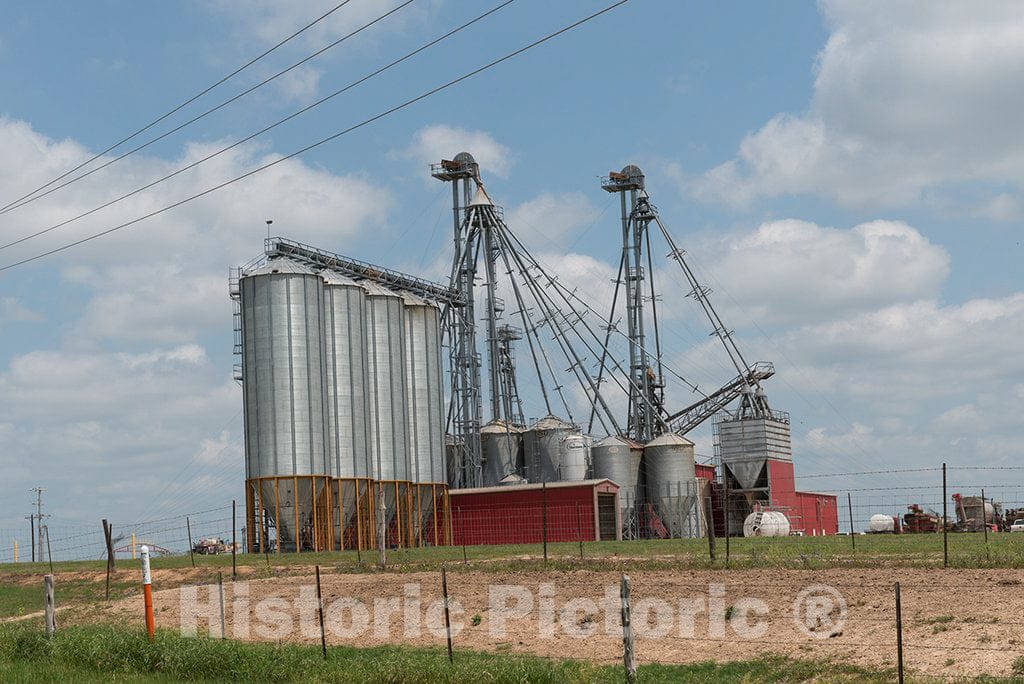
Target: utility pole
[37,541]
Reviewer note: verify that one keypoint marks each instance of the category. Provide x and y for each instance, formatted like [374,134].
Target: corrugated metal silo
[424,390]
[502,446]
[618,459]
[542,446]
[283,376]
[347,376]
[671,486]
[385,338]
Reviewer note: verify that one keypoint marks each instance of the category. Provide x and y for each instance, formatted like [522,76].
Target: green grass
[966,550]
[113,654]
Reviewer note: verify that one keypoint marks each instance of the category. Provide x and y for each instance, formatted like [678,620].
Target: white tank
[575,458]
[881,523]
[771,524]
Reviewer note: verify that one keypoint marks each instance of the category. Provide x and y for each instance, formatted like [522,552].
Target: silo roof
[280,265]
[668,438]
[552,423]
[499,426]
[618,440]
[375,290]
[334,278]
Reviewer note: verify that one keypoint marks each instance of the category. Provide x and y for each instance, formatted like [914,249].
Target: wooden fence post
[50,615]
[628,653]
[220,591]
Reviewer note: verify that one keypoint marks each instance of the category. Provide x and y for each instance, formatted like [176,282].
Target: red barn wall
[515,515]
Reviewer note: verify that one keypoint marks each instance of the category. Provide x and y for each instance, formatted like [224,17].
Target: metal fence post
[710,524]
[447,617]
[544,516]
[945,521]
[899,635]
[853,535]
[320,614]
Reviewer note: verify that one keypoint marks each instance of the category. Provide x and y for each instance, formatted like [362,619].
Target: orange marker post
[147,591]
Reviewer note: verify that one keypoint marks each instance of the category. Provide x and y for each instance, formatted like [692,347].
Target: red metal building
[519,514]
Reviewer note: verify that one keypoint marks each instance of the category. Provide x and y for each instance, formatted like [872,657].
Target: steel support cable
[527,326]
[561,290]
[577,363]
[654,305]
[701,296]
[546,318]
[203,115]
[566,294]
[274,125]
[11,205]
[607,336]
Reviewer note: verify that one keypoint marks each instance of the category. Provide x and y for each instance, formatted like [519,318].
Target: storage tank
[502,447]
[542,446]
[671,486]
[424,390]
[618,459]
[283,370]
[882,523]
[766,524]
[385,342]
[574,458]
[347,376]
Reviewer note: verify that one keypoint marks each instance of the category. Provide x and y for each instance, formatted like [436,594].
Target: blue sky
[844,176]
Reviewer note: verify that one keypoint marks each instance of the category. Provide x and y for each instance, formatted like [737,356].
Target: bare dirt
[955,622]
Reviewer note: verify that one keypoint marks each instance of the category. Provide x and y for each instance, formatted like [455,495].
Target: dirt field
[955,622]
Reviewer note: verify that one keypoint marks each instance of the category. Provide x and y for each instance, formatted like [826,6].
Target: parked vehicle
[1018,525]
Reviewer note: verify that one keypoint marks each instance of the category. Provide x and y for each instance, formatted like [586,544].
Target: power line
[191,121]
[323,141]
[258,133]
[11,205]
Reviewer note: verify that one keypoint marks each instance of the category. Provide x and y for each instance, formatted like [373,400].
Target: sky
[844,177]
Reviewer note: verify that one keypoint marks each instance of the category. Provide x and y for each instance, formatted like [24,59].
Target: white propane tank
[772,524]
[881,523]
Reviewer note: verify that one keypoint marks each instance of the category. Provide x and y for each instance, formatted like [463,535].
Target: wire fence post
[49,554]
[382,509]
[628,653]
[984,524]
[899,636]
[110,556]
[220,592]
[234,543]
[853,535]
[191,549]
[945,521]
[544,516]
[447,617]
[579,528]
[50,611]
[727,530]
[710,524]
[462,533]
[320,614]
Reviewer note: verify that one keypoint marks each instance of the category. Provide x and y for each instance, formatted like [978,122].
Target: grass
[115,654]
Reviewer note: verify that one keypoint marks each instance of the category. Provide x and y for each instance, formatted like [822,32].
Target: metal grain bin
[424,390]
[283,370]
[671,487]
[618,459]
[574,457]
[542,447]
[385,341]
[502,446]
[347,377]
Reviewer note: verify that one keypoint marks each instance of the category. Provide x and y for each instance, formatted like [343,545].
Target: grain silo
[387,424]
[284,387]
[543,446]
[348,456]
[502,446]
[618,459]
[671,494]
[425,419]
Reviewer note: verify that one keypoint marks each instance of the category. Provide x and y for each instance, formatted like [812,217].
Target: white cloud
[789,271]
[433,143]
[13,311]
[549,219]
[907,97]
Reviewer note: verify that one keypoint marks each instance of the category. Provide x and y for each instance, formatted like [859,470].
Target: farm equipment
[210,546]
[918,520]
[974,514]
